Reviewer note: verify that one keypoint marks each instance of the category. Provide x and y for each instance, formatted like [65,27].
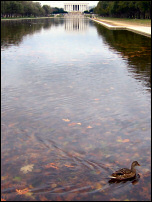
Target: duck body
[125,173]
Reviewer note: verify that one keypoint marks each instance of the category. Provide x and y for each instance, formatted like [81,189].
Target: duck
[125,173]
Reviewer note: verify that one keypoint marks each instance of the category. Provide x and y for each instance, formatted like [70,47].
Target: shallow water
[76,103]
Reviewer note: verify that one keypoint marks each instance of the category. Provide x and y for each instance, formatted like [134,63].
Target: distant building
[74,6]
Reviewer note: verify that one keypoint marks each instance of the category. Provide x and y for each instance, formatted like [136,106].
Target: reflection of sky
[55,47]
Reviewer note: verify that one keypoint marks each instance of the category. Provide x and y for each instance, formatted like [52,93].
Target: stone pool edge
[136,29]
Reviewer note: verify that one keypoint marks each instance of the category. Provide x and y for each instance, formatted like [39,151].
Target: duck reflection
[76,24]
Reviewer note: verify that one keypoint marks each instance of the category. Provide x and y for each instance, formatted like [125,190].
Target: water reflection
[71,114]
[13,32]
[76,24]
[133,48]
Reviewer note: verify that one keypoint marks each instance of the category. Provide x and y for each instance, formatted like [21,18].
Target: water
[75,107]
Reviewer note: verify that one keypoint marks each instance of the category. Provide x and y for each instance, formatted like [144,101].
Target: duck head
[135,163]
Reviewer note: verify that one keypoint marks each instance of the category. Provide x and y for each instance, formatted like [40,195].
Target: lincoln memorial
[76,7]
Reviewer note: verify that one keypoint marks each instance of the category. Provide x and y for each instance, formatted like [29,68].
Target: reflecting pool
[75,107]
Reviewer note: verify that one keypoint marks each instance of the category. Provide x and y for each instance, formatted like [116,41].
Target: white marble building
[76,6]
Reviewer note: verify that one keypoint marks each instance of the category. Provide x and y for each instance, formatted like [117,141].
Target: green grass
[126,20]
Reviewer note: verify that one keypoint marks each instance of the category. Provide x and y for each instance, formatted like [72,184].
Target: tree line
[27,9]
[124,9]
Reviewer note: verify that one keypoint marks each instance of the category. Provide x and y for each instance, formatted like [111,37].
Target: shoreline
[112,25]
[28,18]
[25,18]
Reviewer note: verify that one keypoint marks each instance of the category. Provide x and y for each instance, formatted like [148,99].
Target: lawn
[144,22]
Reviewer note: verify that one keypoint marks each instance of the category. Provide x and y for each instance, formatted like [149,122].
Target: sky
[60,4]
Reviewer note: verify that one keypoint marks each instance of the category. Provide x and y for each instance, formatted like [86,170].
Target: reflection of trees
[12,32]
[134,48]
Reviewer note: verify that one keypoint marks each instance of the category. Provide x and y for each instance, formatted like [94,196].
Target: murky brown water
[76,106]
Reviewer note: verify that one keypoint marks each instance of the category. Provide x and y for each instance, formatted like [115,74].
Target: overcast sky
[60,4]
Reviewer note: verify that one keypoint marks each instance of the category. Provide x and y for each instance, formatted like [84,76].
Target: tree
[128,9]
[58,10]
[47,9]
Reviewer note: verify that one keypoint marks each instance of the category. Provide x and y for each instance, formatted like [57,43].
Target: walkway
[143,30]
